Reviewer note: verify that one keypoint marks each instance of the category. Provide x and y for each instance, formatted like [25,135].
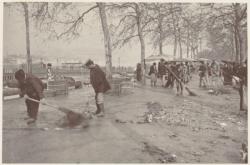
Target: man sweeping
[100,84]
[33,87]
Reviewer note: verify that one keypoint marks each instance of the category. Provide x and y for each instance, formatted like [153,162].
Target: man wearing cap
[100,84]
[33,87]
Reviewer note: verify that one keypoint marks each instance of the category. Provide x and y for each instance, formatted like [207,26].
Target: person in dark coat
[33,87]
[178,72]
[100,84]
[153,74]
[202,74]
[162,71]
[170,81]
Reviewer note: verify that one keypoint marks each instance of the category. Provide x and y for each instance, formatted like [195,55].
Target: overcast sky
[88,45]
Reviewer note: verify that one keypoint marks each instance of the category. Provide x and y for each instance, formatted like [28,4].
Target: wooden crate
[59,86]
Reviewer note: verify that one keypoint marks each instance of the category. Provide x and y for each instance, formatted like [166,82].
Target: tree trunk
[188,40]
[26,15]
[161,36]
[175,46]
[142,42]
[107,41]
[237,31]
[236,45]
[174,26]
[232,48]
[180,46]
[240,46]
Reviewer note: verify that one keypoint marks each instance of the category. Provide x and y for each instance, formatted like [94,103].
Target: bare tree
[27,27]
[231,19]
[133,21]
[107,40]
[159,26]
[48,14]
[25,12]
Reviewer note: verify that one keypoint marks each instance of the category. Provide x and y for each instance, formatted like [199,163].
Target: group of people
[32,87]
[215,73]
[210,75]
[171,73]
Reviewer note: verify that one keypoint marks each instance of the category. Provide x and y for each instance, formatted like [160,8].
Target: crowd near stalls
[213,75]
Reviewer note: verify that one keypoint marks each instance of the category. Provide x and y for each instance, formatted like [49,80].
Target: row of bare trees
[183,25]
[227,29]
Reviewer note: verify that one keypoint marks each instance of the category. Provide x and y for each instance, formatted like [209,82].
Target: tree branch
[74,26]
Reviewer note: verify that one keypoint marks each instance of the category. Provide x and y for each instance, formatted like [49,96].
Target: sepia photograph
[124,82]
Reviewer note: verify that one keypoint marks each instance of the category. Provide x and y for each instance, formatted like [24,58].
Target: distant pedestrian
[138,72]
[215,76]
[33,87]
[202,74]
[100,84]
[208,75]
[170,81]
[153,74]
[179,73]
[186,73]
[162,71]
[227,72]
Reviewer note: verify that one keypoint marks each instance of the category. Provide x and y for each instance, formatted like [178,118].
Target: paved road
[119,138]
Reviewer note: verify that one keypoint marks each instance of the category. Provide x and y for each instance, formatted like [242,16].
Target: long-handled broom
[191,93]
[73,118]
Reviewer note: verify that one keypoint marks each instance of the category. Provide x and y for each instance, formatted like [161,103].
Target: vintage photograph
[124,82]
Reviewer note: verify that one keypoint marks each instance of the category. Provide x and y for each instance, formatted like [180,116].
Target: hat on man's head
[19,75]
[89,62]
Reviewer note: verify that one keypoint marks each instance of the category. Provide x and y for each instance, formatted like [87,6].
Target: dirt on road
[181,129]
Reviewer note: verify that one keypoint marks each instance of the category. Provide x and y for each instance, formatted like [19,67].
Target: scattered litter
[172,136]
[221,124]
[239,123]
[58,129]
[140,122]
[119,121]
[45,129]
[195,153]
[224,137]
[159,154]
[172,158]
[195,129]
[212,142]
[149,118]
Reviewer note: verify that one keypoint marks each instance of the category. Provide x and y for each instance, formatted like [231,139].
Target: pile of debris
[156,112]
[185,114]
[80,122]
[176,115]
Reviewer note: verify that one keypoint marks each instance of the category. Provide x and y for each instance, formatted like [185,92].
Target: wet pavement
[206,129]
